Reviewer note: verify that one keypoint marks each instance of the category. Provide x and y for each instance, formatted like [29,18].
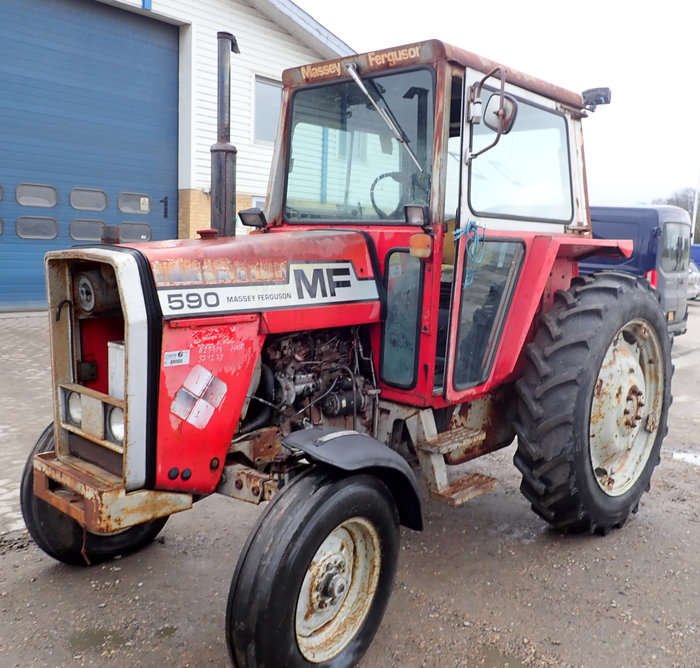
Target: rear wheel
[314,578]
[593,402]
[60,536]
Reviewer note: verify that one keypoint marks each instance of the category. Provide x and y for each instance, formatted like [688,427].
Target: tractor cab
[459,172]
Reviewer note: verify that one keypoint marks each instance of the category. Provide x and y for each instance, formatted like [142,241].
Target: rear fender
[352,451]
[549,264]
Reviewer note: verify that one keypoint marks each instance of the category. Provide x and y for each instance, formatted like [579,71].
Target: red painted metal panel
[303,269]
[251,258]
[320,317]
[95,333]
[205,374]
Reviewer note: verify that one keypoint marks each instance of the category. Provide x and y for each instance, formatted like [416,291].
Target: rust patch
[467,452]
[213,270]
[652,423]
[97,499]
[267,445]
[643,332]
[246,484]
[634,405]
[463,489]
[605,479]
[598,390]
[492,415]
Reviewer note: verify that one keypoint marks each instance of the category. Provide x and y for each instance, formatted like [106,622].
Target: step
[459,491]
[453,439]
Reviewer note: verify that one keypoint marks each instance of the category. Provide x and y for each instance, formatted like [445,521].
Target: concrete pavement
[25,403]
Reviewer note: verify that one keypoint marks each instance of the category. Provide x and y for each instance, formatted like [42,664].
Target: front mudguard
[350,450]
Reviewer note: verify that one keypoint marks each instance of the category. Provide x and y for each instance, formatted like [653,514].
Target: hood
[259,272]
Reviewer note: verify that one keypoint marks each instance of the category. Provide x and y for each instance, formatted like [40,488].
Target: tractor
[409,300]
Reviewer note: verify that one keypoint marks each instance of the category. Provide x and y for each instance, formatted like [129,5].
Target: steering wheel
[401,180]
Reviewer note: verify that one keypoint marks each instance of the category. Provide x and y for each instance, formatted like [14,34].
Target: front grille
[95,454]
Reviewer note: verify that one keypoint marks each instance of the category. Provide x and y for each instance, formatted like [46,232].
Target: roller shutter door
[88,133]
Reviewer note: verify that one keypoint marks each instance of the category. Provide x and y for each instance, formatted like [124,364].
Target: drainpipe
[223,153]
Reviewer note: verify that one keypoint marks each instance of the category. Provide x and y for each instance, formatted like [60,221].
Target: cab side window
[675,247]
[527,174]
[400,342]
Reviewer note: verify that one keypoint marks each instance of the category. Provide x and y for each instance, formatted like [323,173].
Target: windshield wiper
[391,123]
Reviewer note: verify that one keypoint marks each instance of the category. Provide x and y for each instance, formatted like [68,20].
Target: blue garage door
[88,133]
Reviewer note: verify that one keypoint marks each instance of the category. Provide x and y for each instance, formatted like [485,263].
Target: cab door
[484,276]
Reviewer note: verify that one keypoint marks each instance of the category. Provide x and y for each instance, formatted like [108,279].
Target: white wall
[266,50]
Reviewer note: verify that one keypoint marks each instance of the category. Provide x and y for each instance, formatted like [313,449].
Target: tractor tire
[315,575]
[61,537]
[593,402]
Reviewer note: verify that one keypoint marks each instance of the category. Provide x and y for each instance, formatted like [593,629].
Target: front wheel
[594,398]
[60,536]
[315,576]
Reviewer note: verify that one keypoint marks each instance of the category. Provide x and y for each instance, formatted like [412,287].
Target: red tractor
[409,301]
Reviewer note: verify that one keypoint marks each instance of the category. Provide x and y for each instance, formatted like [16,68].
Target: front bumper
[97,499]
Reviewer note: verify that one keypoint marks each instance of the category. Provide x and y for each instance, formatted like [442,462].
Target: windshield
[345,160]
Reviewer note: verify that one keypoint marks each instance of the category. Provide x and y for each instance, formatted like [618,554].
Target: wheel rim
[338,589]
[627,398]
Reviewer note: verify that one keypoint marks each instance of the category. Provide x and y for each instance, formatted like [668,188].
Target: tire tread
[550,388]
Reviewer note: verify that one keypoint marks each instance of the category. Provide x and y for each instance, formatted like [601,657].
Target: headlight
[74,408]
[115,424]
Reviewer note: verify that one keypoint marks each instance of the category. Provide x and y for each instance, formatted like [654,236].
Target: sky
[643,146]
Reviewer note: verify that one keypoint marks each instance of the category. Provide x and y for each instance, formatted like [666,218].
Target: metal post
[223,153]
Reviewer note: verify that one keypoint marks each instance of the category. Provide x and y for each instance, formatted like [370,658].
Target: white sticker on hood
[176,358]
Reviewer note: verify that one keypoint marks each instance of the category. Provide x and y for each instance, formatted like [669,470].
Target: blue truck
[662,251]
[695,253]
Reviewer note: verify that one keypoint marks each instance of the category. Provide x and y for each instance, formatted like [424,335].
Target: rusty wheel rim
[338,589]
[627,398]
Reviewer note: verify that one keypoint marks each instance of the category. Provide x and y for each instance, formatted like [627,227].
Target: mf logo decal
[326,283]
[307,284]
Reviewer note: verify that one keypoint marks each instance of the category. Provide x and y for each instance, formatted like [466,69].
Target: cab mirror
[500,118]
[499,112]
[417,214]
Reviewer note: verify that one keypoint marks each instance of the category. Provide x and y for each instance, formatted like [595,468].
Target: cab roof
[428,52]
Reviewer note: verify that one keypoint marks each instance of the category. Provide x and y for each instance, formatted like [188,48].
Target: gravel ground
[487,584]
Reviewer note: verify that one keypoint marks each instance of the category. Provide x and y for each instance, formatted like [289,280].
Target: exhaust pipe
[223,153]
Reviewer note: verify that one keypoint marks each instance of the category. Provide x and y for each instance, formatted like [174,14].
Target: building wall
[266,50]
[89,124]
